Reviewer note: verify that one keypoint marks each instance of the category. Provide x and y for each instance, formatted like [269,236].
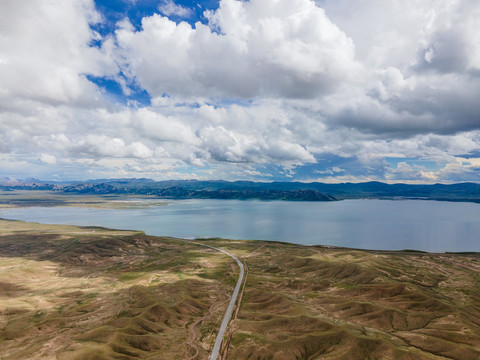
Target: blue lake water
[368,224]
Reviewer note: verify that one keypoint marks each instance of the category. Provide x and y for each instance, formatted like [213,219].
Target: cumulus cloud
[422,57]
[158,127]
[169,8]
[48,159]
[45,52]
[262,88]
[407,34]
[255,48]
[101,146]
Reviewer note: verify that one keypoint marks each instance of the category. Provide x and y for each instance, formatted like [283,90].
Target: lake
[433,226]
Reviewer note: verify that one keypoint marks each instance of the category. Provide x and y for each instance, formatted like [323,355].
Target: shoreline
[85,291]
[320,246]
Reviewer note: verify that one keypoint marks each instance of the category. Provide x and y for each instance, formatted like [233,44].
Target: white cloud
[330,171]
[48,159]
[405,93]
[158,127]
[101,146]
[169,8]
[45,53]
[281,83]
[256,48]
[401,33]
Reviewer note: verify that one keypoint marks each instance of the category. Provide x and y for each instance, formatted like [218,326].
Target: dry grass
[71,292]
[328,303]
[91,293]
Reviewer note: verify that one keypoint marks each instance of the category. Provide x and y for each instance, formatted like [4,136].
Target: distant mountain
[8,181]
[220,189]
[243,194]
[27,184]
[120,181]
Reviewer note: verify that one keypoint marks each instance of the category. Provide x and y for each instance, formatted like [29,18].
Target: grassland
[71,292]
[329,303]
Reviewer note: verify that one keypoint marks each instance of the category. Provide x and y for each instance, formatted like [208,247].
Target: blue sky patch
[429,165]
[113,91]
[135,10]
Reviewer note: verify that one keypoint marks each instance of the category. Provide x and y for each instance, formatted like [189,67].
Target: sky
[262,90]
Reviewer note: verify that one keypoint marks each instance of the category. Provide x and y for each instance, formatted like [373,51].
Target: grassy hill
[71,292]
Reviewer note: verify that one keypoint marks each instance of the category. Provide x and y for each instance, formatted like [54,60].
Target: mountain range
[220,189]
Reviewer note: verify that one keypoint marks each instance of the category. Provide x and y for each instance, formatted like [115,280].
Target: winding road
[231,305]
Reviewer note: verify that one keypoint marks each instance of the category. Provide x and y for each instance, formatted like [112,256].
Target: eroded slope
[91,293]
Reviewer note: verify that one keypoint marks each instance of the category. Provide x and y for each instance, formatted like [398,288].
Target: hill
[218,189]
[85,293]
